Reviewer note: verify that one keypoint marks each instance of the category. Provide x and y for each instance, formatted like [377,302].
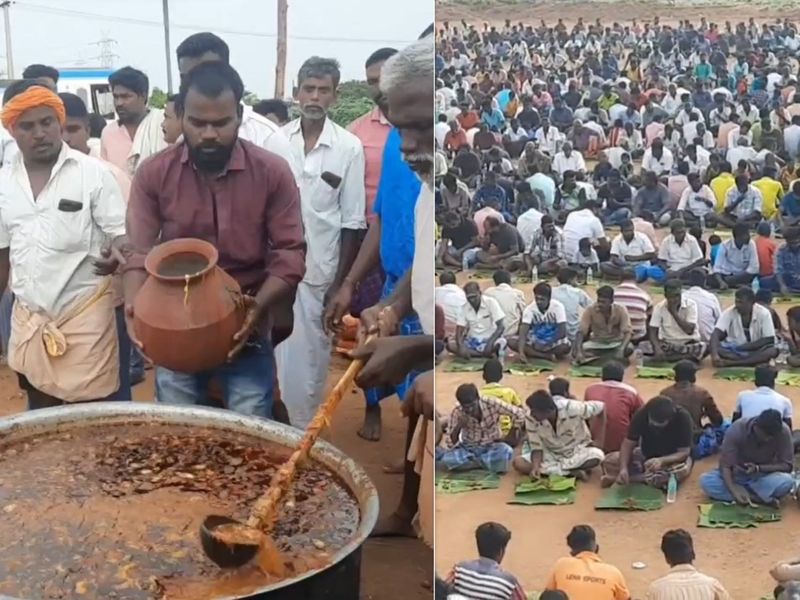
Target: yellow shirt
[771,192]
[720,186]
[586,577]
[505,394]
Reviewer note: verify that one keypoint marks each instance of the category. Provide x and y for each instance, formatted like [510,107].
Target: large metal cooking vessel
[338,581]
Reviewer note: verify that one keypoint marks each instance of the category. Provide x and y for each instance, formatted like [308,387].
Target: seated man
[479,326]
[637,302]
[652,202]
[585,259]
[451,299]
[583,575]
[787,265]
[618,197]
[605,330]
[658,444]
[683,580]
[751,403]
[559,437]
[621,401]
[631,251]
[473,431]
[744,335]
[697,203]
[792,335]
[573,298]
[511,301]
[708,425]
[485,572]
[543,329]
[737,260]
[459,236]
[546,251]
[501,248]
[743,204]
[678,254]
[673,331]
[755,464]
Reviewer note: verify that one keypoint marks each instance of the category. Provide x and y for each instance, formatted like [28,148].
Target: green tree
[353,101]
[250,98]
[158,98]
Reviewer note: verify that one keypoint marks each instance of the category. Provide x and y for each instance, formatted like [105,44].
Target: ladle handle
[264,510]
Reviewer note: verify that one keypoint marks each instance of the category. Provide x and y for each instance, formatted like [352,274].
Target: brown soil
[539,532]
[392,569]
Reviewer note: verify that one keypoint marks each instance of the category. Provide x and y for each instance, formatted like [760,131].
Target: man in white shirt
[451,299]
[751,403]
[548,137]
[480,326]
[58,209]
[581,224]
[511,301]
[543,330]
[568,160]
[679,253]
[734,344]
[708,306]
[333,206]
[737,260]
[697,202]
[791,138]
[673,329]
[658,159]
[630,250]
[530,221]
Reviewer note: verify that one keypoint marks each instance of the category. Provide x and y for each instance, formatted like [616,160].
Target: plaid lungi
[495,457]
[691,349]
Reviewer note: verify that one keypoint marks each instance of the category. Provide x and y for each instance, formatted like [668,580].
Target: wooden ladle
[230,543]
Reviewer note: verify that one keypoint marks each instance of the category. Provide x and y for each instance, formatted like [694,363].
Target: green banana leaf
[790,377]
[734,374]
[585,371]
[461,365]
[655,372]
[466,481]
[546,490]
[719,515]
[545,497]
[532,367]
[634,496]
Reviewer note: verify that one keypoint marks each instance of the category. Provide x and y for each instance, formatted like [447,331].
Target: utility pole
[105,47]
[165,6]
[280,65]
[7,21]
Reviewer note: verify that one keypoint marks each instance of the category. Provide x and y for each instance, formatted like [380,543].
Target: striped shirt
[637,302]
[484,579]
[684,582]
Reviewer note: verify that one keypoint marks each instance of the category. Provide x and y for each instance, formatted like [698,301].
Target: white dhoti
[73,357]
[304,358]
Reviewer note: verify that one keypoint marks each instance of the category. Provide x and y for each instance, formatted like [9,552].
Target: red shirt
[622,401]
[469,120]
[766,249]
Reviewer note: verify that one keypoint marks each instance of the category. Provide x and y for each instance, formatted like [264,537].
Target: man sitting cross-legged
[479,326]
[621,400]
[707,421]
[678,254]
[473,432]
[501,246]
[543,329]
[546,250]
[605,330]
[673,330]
[755,464]
[631,252]
[737,260]
[658,444]
[744,334]
[743,204]
[559,437]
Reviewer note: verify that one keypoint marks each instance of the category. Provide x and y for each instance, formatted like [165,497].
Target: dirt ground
[539,532]
[392,569]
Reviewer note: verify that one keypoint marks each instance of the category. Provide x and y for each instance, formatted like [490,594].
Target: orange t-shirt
[586,577]
[766,249]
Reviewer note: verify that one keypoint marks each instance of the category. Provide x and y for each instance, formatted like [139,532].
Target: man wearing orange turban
[58,209]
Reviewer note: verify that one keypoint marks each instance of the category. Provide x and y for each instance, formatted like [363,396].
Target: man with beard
[58,208]
[333,204]
[386,250]
[216,187]
[136,134]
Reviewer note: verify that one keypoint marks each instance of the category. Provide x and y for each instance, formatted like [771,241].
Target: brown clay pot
[187,324]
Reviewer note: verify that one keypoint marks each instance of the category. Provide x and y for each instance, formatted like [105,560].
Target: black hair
[559,386]
[467,393]
[74,106]
[274,106]
[661,408]
[19,86]
[133,79]
[714,239]
[613,371]
[379,56]
[685,370]
[492,539]
[36,70]
[501,276]
[765,375]
[764,296]
[542,289]
[673,285]
[97,123]
[677,547]
[696,277]
[553,595]
[606,291]
[745,293]
[540,400]
[198,44]
[565,274]
[446,277]
[627,223]
[770,422]
[492,371]
[741,228]
[582,539]
[211,79]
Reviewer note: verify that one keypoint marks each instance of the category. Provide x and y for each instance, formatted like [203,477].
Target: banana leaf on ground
[456,482]
[462,365]
[585,371]
[734,373]
[719,515]
[634,496]
[532,367]
[790,377]
[655,371]
[546,490]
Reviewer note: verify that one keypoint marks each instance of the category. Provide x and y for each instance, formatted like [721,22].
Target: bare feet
[371,429]
[395,525]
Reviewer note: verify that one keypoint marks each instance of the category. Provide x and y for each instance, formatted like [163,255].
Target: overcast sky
[61,33]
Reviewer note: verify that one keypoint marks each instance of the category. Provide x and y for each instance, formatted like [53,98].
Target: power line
[136,21]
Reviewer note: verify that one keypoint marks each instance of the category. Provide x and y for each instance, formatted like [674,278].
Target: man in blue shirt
[490,192]
[394,243]
[790,207]
[492,117]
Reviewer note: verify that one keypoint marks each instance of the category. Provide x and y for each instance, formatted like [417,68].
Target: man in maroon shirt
[241,198]
[621,400]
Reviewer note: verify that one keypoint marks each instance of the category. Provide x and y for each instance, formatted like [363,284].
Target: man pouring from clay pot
[242,199]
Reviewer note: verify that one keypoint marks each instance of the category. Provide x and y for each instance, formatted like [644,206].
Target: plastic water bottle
[638,357]
[534,274]
[589,276]
[756,284]
[672,488]
[465,262]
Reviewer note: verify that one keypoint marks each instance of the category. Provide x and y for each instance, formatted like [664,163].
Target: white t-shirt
[679,256]
[562,163]
[481,323]
[692,201]
[640,244]
[451,298]
[554,314]
[751,403]
[581,224]
[761,326]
